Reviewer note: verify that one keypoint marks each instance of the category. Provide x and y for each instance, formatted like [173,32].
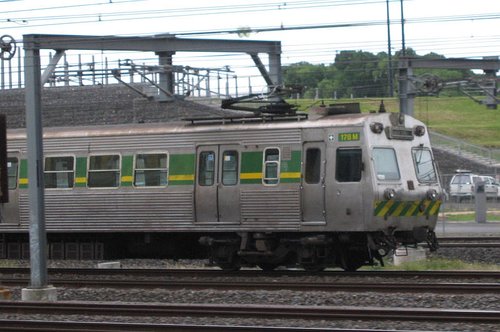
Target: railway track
[410,287]
[210,273]
[249,311]
[470,242]
[30,325]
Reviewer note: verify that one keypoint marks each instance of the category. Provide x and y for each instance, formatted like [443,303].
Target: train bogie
[339,190]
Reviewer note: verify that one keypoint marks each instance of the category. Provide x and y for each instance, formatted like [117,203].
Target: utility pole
[389,52]
[403,29]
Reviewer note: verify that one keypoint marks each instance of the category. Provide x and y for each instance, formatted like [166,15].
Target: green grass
[439,264]
[458,117]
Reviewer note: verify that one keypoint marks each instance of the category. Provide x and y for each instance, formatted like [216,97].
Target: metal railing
[486,156]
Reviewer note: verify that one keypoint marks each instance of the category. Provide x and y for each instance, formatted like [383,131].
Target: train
[332,188]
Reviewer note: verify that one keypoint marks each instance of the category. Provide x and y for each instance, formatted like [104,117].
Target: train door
[217,184]
[344,188]
[10,211]
[313,184]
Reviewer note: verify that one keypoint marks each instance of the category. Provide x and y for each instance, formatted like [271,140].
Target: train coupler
[432,241]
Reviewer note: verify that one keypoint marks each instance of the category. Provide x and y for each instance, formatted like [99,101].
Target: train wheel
[351,262]
[230,267]
[267,266]
[313,267]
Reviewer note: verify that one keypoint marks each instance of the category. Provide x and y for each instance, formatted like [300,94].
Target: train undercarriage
[312,252]
[229,251]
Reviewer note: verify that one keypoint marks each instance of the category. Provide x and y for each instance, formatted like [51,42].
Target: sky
[448,27]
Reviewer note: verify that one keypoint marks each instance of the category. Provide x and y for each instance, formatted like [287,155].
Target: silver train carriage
[339,190]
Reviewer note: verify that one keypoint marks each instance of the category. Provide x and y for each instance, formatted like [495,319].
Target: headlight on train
[419,131]
[389,194]
[376,127]
[432,194]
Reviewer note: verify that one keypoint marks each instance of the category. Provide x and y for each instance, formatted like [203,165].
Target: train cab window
[104,171]
[12,171]
[313,166]
[271,166]
[151,170]
[206,168]
[230,168]
[386,164]
[424,166]
[59,172]
[348,165]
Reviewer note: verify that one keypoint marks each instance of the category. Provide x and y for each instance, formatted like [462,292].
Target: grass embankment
[469,216]
[459,117]
[440,264]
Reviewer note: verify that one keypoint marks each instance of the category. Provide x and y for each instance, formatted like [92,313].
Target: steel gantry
[164,46]
[408,91]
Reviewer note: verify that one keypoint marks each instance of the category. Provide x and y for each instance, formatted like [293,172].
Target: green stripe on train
[251,167]
[81,172]
[127,171]
[182,168]
[23,174]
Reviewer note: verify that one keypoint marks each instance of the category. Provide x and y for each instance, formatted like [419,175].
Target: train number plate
[346,137]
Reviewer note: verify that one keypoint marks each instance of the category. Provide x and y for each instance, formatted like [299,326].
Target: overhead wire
[325,53]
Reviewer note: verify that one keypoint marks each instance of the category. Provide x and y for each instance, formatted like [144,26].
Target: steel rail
[247,273]
[250,311]
[469,245]
[469,238]
[41,325]
[405,287]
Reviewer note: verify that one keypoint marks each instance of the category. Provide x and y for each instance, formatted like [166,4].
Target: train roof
[186,127]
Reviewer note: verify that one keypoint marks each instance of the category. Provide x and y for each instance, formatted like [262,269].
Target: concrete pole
[406,89]
[166,75]
[38,289]
[480,202]
[491,94]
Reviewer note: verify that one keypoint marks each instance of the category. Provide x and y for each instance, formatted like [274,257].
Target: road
[444,228]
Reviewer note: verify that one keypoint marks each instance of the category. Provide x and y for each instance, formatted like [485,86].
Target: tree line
[357,74]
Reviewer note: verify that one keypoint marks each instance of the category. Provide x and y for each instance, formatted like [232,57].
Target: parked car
[462,185]
[491,186]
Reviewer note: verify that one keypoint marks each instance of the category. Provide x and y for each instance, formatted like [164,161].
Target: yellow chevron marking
[426,205]
[435,208]
[386,208]
[399,209]
[413,208]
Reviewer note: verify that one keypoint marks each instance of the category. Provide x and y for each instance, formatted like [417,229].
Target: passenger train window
[386,164]
[206,168]
[151,170]
[424,166]
[348,165]
[104,171]
[12,170]
[313,166]
[271,166]
[230,168]
[59,172]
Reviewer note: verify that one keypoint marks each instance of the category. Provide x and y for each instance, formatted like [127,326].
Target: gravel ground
[470,255]
[281,297]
